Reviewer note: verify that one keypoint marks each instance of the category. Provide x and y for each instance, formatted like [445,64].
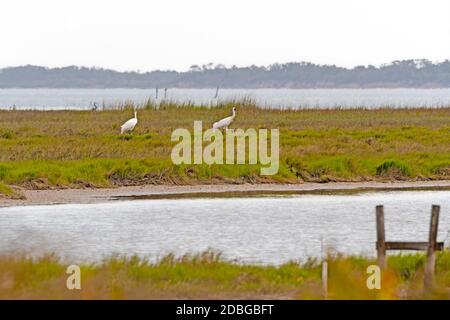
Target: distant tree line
[406,73]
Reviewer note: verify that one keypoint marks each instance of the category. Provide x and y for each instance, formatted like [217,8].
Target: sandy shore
[41,197]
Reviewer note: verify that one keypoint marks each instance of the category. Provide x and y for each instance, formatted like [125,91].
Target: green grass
[82,148]
[209,276]
[6,190]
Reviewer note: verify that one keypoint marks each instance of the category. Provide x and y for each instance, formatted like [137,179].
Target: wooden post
[217,93]
[325,278]
[431,246]
[431,253]
[381,238]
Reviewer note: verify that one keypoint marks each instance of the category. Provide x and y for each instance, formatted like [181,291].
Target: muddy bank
[40,197]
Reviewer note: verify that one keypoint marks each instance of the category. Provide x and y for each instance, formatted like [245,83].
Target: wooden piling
[381,237]
[431,250]
[325,278]
[430,247]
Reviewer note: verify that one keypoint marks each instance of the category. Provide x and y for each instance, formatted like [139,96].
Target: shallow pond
[267,229]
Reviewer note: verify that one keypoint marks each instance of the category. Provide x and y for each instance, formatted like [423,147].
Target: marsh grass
[209,276]
[6,190]
[48,149]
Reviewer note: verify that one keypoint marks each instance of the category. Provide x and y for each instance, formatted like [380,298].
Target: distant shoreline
[417,73]
[230,88]
[85,196]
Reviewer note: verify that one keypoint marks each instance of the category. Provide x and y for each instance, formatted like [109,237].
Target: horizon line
[213,66]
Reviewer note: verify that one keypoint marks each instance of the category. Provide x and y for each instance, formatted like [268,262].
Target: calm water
[294,98]
[258,230]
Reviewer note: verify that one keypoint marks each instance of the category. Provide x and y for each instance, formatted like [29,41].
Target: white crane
[225,122]
[129,125]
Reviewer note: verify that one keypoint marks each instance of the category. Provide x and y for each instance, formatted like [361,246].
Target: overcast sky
[174,34]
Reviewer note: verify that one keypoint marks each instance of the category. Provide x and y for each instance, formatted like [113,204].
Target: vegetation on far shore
[59,149]
[417,73]
[209,276]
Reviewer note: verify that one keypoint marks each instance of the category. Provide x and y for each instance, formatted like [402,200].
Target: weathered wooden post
[324,250]
[381,238]
[431,249]
[325,278]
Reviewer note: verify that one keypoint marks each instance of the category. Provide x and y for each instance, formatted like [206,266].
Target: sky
[146,35]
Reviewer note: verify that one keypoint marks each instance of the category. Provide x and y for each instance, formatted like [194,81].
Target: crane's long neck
[234,114]
[135,115]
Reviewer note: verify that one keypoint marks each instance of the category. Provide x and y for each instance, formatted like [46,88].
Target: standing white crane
[129,125]
[225,122]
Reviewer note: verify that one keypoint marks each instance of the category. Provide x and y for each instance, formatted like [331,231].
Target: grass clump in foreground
[208,276]
[7,191]
[54,149]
